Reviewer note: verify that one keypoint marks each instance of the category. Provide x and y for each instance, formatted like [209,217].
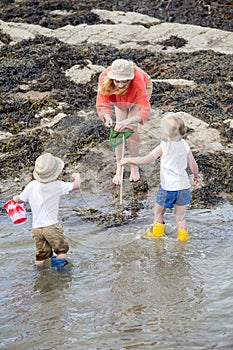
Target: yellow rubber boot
[156,231]
[182,235]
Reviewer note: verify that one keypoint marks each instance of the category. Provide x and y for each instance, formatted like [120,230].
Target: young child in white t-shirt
[43,194]
[174,190]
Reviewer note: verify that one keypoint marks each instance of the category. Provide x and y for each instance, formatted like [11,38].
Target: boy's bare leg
[62,256]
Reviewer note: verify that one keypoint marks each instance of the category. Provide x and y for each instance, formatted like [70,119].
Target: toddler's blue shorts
[168,199]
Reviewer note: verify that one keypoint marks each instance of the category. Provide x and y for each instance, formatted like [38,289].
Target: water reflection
[49,280]
[151,291]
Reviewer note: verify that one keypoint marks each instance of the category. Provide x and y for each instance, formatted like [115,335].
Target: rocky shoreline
[56,14]
[48,83]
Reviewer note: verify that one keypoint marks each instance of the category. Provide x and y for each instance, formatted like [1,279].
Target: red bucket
[16,211]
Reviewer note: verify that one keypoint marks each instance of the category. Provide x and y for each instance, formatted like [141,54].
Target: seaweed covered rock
[49,83]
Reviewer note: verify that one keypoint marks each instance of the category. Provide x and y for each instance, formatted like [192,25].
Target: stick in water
[122,169]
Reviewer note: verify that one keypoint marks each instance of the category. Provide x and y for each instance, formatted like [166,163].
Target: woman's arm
[149,158]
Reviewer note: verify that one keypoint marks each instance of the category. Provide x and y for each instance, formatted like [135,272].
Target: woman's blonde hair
[108,87]
[173,126]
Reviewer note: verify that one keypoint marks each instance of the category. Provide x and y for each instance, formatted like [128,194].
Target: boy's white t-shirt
[174,161]
[44,200]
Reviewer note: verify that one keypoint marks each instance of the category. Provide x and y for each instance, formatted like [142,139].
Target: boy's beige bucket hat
[47,168]
[121,70]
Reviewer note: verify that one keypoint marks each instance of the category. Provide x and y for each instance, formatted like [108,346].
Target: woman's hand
[108,120]
[121,125]
[128,123]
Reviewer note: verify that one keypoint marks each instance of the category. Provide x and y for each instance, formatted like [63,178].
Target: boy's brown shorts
[48,239]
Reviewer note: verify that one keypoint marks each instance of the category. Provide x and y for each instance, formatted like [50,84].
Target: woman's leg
[134,141]
[117,177]
[120,116]
[133,150]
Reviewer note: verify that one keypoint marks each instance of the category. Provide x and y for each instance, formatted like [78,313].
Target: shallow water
[121,291]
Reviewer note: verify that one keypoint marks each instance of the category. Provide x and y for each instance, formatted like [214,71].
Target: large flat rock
[129,30]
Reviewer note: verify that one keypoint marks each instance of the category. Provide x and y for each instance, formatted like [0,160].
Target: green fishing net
[117,137]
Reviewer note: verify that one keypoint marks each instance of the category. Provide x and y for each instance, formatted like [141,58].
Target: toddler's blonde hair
[173,127]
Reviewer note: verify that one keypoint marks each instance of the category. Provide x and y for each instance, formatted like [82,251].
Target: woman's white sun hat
[47,168]
[121,70]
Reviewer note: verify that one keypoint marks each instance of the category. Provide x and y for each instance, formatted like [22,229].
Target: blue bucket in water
[58,264]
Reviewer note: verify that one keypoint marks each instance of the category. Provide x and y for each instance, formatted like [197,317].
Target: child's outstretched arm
[149,158]
[17,199]
[194,168]
[77,181]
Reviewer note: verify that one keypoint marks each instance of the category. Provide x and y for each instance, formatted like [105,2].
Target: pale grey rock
[202,136]
[23,31]
[83,75]
[229,122]
[125,17]
[5,135]
[62,12]
[123,33]
[176,82]
[46,122]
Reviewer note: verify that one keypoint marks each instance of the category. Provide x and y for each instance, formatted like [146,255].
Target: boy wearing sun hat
[43,194]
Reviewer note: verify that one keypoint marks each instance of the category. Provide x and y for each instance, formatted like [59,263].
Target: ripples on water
[122,292]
